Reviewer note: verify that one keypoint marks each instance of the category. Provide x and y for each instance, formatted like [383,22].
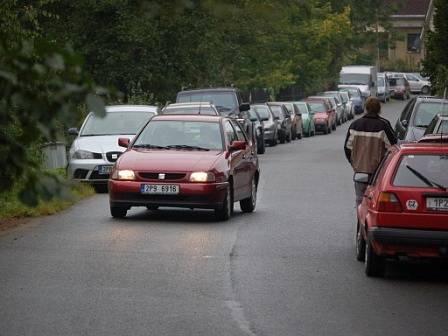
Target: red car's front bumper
[191,195]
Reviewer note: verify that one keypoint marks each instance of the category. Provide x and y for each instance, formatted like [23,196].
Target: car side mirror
[244,107]
[73,131]
[123,142]
[238,145]
[299,114]
[276,118]
[404,123]
[265,119]
[253,119]
[361,178]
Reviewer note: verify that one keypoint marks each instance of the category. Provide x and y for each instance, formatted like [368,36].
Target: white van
[363,77]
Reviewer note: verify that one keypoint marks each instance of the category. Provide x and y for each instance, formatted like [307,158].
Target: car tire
[375,265]
[100,188]
[282,139]
[118,212]
[273,142]
[360,244]
[289,137]
[425,90]
[261,147]
[249,204]
[225,211]
[299,135]
[333,127]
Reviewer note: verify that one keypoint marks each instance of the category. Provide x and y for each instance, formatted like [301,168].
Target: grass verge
[12,209]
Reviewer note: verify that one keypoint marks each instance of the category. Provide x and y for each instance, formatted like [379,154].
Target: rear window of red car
[422,171]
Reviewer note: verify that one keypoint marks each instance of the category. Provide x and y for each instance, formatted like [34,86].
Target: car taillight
[389,202]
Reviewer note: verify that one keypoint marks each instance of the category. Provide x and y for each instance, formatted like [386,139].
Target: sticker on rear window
[412,205]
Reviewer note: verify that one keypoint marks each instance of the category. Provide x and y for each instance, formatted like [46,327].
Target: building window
[414,43]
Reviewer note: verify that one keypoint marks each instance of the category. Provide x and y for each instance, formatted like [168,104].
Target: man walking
[367,141]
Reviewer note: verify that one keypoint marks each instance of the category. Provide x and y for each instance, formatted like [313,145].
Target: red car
[324,116]
[405,208]
[186,161]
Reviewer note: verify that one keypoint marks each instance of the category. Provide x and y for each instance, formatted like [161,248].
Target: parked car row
[404,214]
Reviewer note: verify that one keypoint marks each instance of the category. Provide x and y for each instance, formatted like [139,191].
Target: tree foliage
[435,64]
[40,86]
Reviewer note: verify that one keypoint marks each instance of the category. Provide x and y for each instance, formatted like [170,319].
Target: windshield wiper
[426,180]
[188,147]
[150,146]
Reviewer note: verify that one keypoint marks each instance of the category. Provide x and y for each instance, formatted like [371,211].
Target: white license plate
[104,170]
[437,203]
[159,189]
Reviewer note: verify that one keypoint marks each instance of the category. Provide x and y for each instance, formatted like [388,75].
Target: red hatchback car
[324,116]
[186,161]
[405,208]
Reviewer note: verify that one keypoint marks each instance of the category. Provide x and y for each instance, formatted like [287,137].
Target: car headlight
[126,175]
[202,177]
[83,155]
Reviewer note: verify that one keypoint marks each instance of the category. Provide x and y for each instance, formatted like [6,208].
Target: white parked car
[95,148]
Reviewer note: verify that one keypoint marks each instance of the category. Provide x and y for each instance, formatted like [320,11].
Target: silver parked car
[95,148]
[383,87]
[417,83]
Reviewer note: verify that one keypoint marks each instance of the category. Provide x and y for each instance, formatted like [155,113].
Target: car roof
[425,147]
[227,89]
[189,117]
[189,104]
[132,108]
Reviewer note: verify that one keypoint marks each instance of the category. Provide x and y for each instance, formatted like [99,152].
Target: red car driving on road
[186,161]
[405,208]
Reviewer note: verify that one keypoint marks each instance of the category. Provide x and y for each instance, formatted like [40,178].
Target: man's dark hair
[373,105]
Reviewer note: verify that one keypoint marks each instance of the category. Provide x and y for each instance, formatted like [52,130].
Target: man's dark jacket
[367,141]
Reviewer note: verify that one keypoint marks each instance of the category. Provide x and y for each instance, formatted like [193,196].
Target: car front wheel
[249,204]
[226,210]
[360,244]
[117,212]
[375,265]
[425,90]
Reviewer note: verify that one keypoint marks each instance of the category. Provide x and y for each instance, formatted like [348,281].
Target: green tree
[435,64]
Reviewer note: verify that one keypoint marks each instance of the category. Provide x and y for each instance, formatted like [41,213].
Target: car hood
[414,134]
[99,144]
[320,115]
[168,160]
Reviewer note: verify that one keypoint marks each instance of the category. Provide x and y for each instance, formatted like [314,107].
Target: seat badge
[412,205]
[161,176]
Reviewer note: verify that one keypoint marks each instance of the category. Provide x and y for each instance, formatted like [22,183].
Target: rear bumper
[408,237]
[192,195]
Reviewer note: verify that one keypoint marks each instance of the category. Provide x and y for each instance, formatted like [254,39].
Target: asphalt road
[287,269]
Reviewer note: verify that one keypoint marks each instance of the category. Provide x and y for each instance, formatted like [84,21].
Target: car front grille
[164,177]
[97,176]
[113,156]
[80,173]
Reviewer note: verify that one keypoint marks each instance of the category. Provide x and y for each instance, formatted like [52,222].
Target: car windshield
[115,123]
[317,107]
[352,92]
[302,108]
[263,111]
[207,110]
[422,171]
[443,127]
[396,82]
[277,111]
[381,81]
[252,115]
[224,101]
[289,108]
[176,134]
[425,112]
[355,79]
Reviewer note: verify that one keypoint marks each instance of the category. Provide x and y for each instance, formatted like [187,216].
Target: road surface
[287,269]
